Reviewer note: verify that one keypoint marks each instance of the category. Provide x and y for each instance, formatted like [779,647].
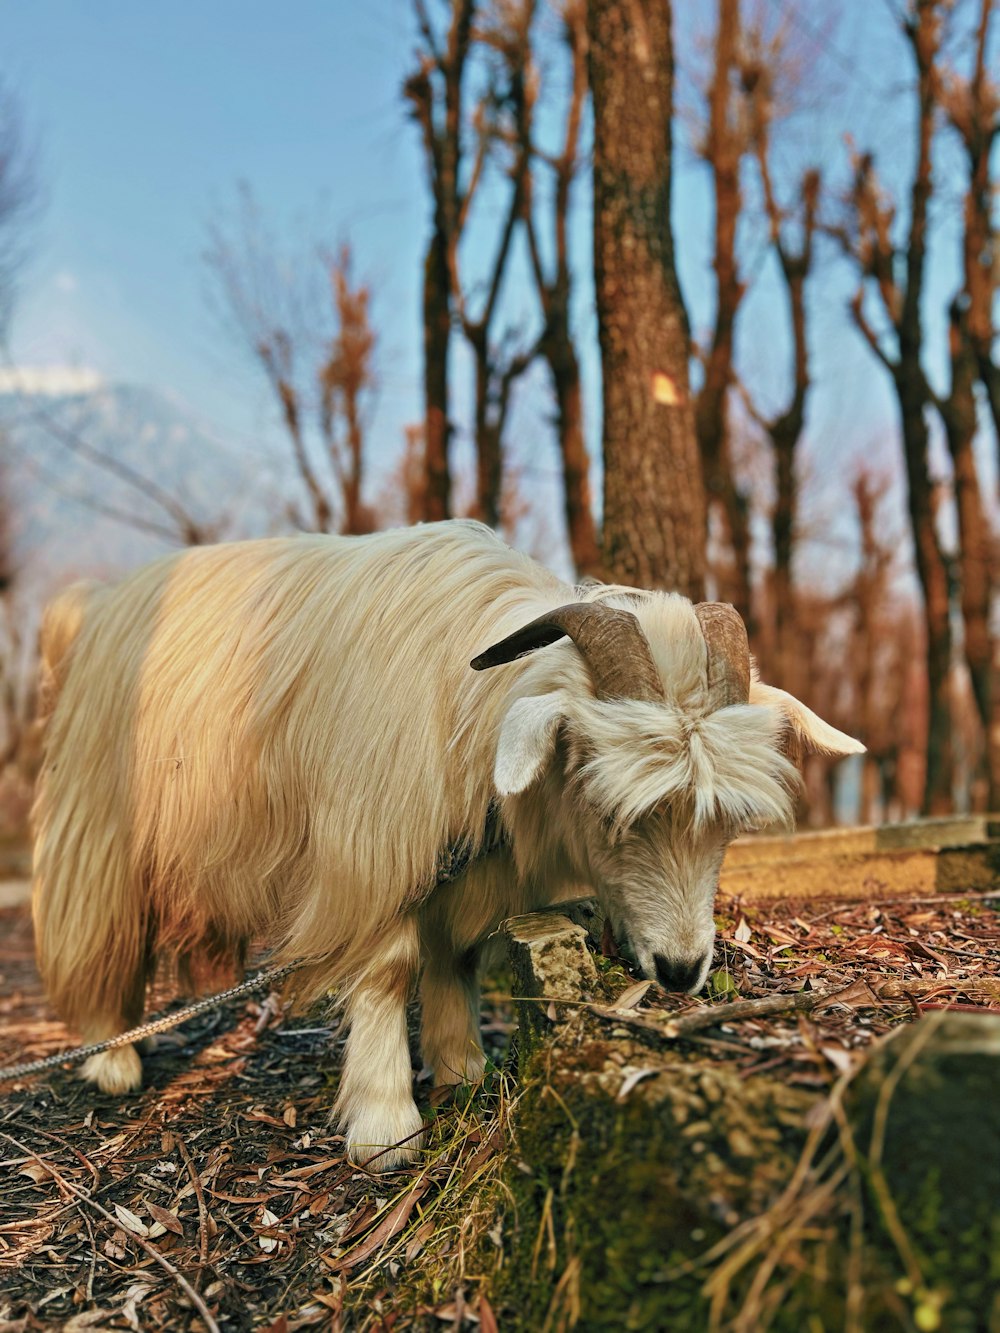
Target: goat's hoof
[114,1071]
[386,1142]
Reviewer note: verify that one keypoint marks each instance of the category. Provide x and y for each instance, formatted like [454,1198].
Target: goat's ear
[527,739]
[810,729]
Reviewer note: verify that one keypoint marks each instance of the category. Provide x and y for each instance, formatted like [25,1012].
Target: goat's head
[646,774]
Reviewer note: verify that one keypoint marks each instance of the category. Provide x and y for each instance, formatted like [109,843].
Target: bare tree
[306,326]
[162,512]
[19,200]
[876,711]
[554,286]
[654,499]
[503,123]
[896,277]
[346,379]
[791,233]
[723,147]
[435,94]
[972,106]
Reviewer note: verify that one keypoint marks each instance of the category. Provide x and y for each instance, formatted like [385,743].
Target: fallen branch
[199,1195]
[83,1197]
[859,994]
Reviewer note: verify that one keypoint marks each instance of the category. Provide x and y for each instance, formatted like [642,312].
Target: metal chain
[154,1025]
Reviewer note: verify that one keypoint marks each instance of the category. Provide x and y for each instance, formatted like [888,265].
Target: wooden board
[929,856]
[949,831]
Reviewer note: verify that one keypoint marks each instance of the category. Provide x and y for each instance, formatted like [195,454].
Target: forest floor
[218,1195]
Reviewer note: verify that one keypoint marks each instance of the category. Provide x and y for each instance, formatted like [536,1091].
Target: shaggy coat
[278,740]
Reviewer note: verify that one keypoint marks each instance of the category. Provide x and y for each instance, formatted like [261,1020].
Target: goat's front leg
[450,1039]
[375,1106]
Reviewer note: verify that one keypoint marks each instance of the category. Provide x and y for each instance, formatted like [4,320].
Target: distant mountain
[106,476]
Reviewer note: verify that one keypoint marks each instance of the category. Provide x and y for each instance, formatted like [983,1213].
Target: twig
[988,957]
[70,1148]
[199,1194]
[710,1015]
[882,989]
[988,987]
[151,1250]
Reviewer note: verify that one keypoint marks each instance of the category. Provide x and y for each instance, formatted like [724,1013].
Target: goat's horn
[609,640]
[728,653]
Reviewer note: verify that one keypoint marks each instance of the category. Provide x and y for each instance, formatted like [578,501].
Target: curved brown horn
[728,653]
[609,640]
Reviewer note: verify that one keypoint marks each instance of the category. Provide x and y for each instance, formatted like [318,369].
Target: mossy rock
[925,1117]
[635,1158]
[614,1194]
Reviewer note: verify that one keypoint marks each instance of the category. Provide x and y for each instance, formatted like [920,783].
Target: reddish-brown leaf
[165,1218]
[393,1222]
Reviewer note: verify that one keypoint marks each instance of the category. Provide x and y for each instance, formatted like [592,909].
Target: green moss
[611,1203]
[613,1198]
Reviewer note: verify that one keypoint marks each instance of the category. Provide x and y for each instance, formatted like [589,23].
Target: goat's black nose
[675,975]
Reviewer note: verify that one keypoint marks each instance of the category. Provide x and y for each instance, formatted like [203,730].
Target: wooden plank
[859,875]
[949,831]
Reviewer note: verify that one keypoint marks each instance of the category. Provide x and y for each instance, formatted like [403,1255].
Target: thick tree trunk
[654,501]
[979,132]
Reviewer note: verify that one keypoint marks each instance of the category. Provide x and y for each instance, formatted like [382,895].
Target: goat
[280,739]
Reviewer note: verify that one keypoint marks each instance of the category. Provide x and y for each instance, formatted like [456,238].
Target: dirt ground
[218,1195]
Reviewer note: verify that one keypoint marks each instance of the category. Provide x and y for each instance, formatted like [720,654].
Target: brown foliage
[321,384]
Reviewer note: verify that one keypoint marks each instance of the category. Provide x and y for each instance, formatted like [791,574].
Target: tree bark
[654,501]
[913,393]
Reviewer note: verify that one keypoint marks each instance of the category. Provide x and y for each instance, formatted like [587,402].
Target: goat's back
[273,734]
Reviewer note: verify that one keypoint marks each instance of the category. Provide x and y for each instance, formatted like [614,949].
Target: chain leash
[452,863]
[150,1029]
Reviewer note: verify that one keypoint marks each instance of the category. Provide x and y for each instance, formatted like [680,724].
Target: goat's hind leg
[450,1039]
[120,1070]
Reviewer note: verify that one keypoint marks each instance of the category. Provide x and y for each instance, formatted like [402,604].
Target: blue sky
[146,115]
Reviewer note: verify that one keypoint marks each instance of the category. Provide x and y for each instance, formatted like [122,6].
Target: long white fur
[276,739]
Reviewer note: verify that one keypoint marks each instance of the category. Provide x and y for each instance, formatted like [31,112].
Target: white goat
[280,739]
